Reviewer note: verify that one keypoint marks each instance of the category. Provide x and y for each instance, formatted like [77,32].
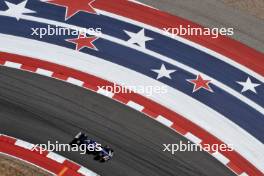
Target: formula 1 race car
[92,147]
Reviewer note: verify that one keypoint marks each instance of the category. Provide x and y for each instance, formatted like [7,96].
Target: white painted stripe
[12,65]
[105,93]
[200,114]
[24,144]
[221,157]
[75,81]
[86,172]
[154,54]
[185,41]
[164,121]
[193,138]
[135,106]
[28,163]
[244,174]
[56,157]
[137,2]
[44,72]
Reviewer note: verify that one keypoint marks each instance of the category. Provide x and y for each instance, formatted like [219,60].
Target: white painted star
[248,85]
[17,10]
[163,72]
[138,38]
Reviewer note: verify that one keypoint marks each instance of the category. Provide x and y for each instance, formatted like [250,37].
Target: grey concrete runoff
[248,29]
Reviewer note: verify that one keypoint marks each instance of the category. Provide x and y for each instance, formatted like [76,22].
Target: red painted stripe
[181,124]
[179,129]
[235,168]
[31,157]
[71,165]
[233,49]
[120,98]
[7,139]
[28,68]
[149,113]
[90,86]
[2,61]
[59,76]
[7,146]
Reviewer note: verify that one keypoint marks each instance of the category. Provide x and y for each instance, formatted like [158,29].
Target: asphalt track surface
[37,109]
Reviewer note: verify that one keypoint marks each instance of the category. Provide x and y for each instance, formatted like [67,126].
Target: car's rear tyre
[74,141]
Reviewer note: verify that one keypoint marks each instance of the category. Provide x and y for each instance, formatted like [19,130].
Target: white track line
[135,106]
[105,93]
[193,138]
[75,81]
[24,144]
[221,158]
[86,172]
[56,157]
[164,121]
[44,72]
[137,2]
[12,65]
